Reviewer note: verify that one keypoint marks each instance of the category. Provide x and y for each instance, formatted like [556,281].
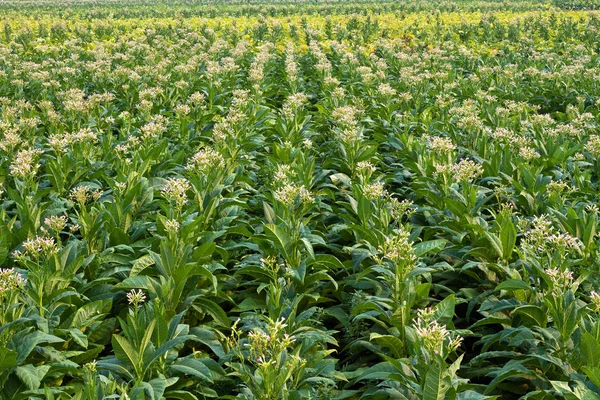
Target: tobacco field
[299,200]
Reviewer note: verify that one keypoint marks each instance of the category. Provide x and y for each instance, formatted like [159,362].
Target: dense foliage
[299,201]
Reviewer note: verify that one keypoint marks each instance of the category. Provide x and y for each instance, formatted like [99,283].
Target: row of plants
[144,9]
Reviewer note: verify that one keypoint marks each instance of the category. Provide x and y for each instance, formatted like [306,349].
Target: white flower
[136,298]
[175,190]
[288,193]
[205,160]
[25,163]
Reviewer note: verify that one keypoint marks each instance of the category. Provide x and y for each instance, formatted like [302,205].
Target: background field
[308,200]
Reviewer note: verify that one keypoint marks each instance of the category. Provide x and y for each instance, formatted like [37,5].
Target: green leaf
[136,282]
[141,264]
[434,388]
[250,304]
[125,351]
[534,313]
[270,216]
[584,393]
[328,261]
[593,373]
[429,246]
[473,395]
[210,339]
[25,344]
[379,371]
[444,310]
[180,394]
[513,284]
[160,384]
[213,309]
[513,368]
[495,242]
[166,347]
[508,238]
[79,337]
[391,342]
[3,248]
[204,252]
[589,348]
[280,239]
[192,367]
[90,312]
[8,358]
[31,375]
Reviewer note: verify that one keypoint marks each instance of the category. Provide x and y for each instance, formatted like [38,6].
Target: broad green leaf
[495,242]
[136,282]
[434,387]
[141,264]
[444,310]
[125,351]
[430,246]
[31,375]
[379,371]
[513,284]
[192,367]
[534,313]
[513,368]
[269,213]
[508,238]
[279,237]
[394,344]
[593,373]
[180,395]
[79,337]
[249,304]
[3,247]
[473,395]
[8,358]
[25,344]
[213,309]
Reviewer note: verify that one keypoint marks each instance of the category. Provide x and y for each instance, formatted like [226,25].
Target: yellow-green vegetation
[308,200]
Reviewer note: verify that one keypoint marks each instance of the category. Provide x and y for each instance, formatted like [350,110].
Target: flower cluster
[528,153]
[440,144]
[136,298]
[56,223]
[542,237]
[293,102]
[398,248]
[83,194]
[172,226]
[466,170]
[462,171]
[593,145]
[561,280]
[205,160]
[10,280]
[264,346]
[59,142]
[399,208]
[154,128]
[25,165]
[36,249]
[595,298]
[365,169]
[375,190]
[175,190]
[288,193]
[347,116]
[435,339]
